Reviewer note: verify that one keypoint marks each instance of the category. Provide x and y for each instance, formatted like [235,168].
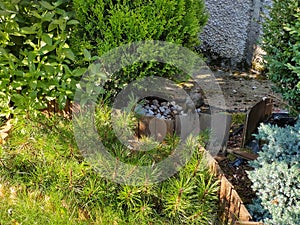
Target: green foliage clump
[105,25]
[37,62]
[276,177]
[44,178]
[281,41]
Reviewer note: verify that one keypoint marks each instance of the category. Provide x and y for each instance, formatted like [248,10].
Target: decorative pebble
[150,112]
[179,108]
[155,102]
[160,109]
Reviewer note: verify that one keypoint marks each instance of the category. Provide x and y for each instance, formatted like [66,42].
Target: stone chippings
[162,109]
[226,32]
[233,30]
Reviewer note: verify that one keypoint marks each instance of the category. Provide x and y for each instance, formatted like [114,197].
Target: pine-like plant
[276,177]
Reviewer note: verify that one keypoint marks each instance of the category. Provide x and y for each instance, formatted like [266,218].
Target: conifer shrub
[276,176]
[105,25]
[45,179]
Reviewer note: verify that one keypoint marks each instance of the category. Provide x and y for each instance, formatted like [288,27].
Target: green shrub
[276,177]
[281,41]
[105,25]
[37,63]
[54,184]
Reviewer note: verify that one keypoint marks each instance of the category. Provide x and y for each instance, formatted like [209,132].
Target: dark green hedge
[281,41]
[105,25]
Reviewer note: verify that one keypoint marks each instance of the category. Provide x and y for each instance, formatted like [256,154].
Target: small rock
[197,99]
[150,112]
[154,107]
[162,109]
[155,102]
[167,111]
[179,108]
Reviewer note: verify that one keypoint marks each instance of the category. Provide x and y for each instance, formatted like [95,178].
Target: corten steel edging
[171,127]
[229,215]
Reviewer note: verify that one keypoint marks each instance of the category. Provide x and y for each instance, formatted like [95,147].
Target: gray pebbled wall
[231,35]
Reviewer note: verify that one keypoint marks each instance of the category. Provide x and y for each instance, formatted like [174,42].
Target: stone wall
[231,35]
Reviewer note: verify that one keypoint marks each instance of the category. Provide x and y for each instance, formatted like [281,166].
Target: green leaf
[68,53]
[72,22]
[58,3]
[62,101]
[68,92]
[53,25]
[47,39]
[79,72]
[28,30]
[48,16]
[33,94]
[87,54]
[4,13]
[47,5]
[46,49]
[18,99]
[62,23]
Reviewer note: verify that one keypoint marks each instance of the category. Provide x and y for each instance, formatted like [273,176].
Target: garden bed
[233,209]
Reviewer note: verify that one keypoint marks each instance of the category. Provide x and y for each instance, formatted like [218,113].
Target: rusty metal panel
[260,112]
[151,126]
[235,205]
[244,214]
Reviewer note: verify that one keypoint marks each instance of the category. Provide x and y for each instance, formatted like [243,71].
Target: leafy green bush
[37,63]
[276,177]
[281,41]
[105,25]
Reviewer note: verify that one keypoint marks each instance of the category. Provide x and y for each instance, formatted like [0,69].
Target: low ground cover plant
[276,176]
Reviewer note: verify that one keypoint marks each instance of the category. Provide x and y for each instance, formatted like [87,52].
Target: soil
[242,90]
